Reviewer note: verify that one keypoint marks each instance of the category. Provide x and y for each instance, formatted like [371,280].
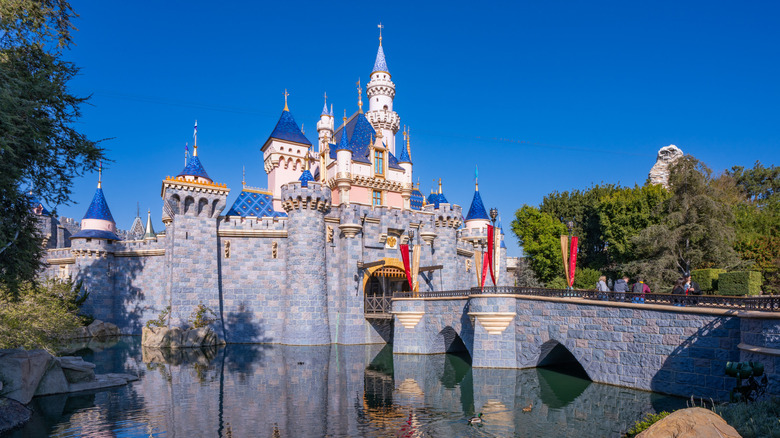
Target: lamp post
[493,215]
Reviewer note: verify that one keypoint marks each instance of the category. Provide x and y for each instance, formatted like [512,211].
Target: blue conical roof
[305,178]
[344,142]
[380,64]
[98,209]
[194,168]
[404,156]
[287,129]
[416,200]
[477,209]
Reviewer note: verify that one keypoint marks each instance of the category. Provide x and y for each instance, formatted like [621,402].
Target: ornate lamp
[493,215]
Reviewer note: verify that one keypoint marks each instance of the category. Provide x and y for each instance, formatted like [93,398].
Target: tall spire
[440,186]
[325,105]
[331,110]
[243,176]
[195,140]
[380,64]
[285,100]
[100,175]
[149,234]
[380,26]
[476,177]
[360,97]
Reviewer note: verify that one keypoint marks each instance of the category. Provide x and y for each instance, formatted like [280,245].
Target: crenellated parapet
[446,216]
[314,197]
[192,198]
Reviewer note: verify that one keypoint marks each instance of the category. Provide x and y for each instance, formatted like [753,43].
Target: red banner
[405,258]
[490,251]
[485,262]
[572,260]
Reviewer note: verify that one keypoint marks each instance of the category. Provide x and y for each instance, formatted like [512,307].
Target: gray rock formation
[12,414]
[174,337]
[98,329]
[659,174]
[36,372]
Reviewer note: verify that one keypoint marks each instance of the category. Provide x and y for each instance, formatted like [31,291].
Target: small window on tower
[385,107]
[376,198]
[379,162]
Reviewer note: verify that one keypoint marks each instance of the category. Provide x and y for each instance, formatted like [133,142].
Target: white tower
[381,91]
[325,126]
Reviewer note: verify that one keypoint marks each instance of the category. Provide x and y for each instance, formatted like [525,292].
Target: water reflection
[267,391]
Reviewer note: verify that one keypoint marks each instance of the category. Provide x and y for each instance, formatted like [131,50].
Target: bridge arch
[555,354]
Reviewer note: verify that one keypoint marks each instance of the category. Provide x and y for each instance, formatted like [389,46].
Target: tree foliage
[539,234]
[40,151]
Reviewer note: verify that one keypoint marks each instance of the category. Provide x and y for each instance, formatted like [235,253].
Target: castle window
[379,162]
[376,198]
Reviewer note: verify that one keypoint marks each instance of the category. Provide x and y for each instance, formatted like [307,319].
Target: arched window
[379,162]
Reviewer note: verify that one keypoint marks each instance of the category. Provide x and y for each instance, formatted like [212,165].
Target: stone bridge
[673,350]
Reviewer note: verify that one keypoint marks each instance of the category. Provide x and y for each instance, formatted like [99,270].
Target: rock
[667,155]
[199,337]
[12,414]
[691,423]
[103,381]
[76,369]
[22,371]
[53,382]
[81,333]
[101,330]
[174,337]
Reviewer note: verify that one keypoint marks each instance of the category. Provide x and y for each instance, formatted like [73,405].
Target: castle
[314,259]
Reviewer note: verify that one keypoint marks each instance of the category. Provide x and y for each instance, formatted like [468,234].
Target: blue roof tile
[98,209]
[442,200]
[477,209]
[403,157]
[95,234]
[287,129]
[194,168]
[305,178]
[433,199]
[416,199]
[380,64]
[251,203]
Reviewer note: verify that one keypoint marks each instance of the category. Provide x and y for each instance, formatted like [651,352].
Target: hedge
[707,278]
[739,283]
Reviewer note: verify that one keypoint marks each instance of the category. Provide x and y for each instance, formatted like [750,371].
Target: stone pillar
[306,319]
[447,219]
[495,343]
[351,322]
[410,334]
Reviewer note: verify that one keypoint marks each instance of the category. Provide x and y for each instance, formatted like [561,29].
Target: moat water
[336,391]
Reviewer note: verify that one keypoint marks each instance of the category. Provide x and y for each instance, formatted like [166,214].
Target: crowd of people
[683,286]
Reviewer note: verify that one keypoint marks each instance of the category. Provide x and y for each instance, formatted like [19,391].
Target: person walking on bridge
[640,288]
[621,285]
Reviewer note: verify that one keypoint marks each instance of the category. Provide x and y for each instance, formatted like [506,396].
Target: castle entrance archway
[379,289]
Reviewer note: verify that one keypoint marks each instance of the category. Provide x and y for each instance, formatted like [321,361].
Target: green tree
[539,234]
[40,151]
[697,230]
[623,214]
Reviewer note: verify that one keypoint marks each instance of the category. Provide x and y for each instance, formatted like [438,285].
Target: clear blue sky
[543,96]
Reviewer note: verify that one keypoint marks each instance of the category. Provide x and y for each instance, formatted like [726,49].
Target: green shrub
[200,318]
[586,278]
[707,278]
[753,420]
[557,283]
[161,319]
[42,316]
[642,425]
[739,283]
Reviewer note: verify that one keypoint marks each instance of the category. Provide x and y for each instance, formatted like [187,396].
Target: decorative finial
[137,209]
[345,117]
[195,140]
[408,142]
[440,186]
[360,97]
[380,26]
[100,175]
[325,105]
[331,110]
[476,177]
[302,131]
[285,100]
[243,176]
[186,153]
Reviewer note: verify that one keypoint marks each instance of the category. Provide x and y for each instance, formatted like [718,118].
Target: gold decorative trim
[62,261]
[493,322]
[409,319]
[465,252]
[252,233]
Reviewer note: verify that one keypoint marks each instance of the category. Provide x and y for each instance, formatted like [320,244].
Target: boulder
[53,382]
[691,423]
[76,369]
[80,333]
[21,371]
[174,337]
[101,330]
[199,337]
[12,414]
[103,381]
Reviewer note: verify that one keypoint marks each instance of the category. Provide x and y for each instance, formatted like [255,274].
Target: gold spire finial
[195,140]
[285,100]
[476,177]
[360,96]
[440,186]
[243,176]
[100,175]
[345,117]
[408,142]
[380,26]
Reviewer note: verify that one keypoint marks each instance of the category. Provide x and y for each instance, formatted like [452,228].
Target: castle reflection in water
[334,390]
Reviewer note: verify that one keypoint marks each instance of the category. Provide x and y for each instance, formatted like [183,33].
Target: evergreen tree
[40,151]
[539,234]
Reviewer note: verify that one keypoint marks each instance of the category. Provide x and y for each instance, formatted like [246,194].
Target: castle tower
[344,165]
[98,223]
[325,127]
[406,162]
[149,233]
[306,317]
[284,154]
[477,218]
[192,203]
[381,92]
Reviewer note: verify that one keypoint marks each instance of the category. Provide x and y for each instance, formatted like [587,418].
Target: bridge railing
[767,303]
[377,305]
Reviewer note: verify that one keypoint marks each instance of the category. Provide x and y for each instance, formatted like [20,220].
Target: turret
[343,165]
[381,92]
[325,127]
[306,317]
[98,223]
[406,163]
[149,233]
[477,217]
